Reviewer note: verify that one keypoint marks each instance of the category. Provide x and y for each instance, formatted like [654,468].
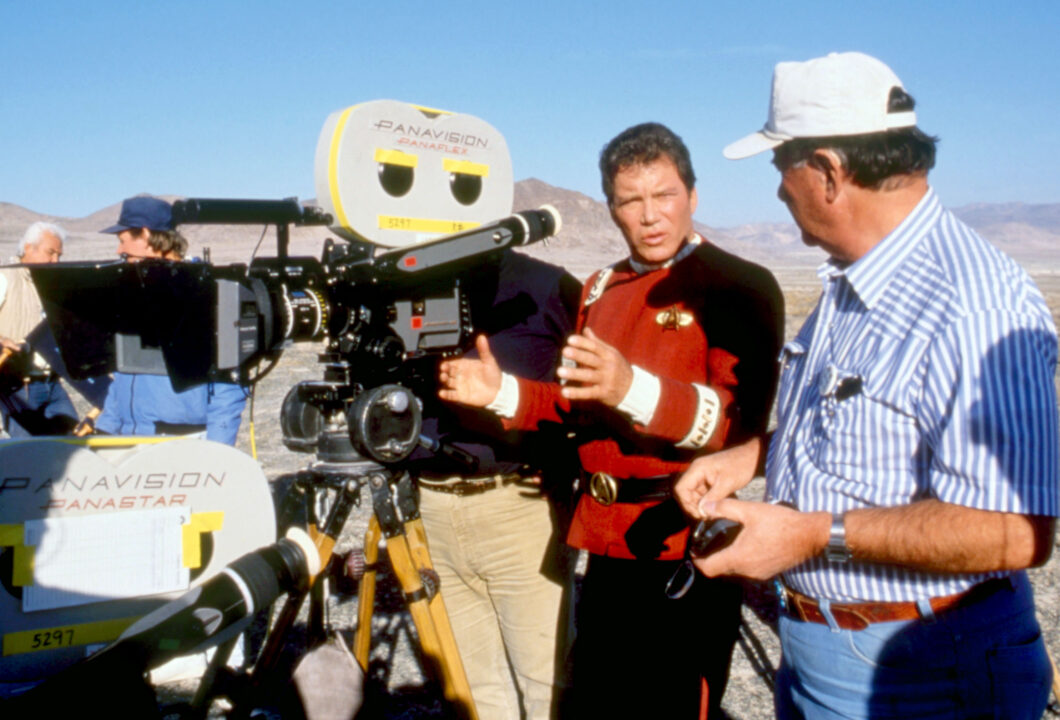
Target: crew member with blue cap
[912,475]
[143,404]
[145,229]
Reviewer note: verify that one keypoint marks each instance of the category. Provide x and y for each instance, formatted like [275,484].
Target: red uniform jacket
[711,318]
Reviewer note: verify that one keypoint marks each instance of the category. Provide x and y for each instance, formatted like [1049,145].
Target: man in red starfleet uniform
[674,356]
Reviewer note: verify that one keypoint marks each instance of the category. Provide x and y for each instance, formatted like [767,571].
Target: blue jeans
[41,407]
[983,660]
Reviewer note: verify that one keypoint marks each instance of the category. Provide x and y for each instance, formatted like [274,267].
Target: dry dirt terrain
[398,687]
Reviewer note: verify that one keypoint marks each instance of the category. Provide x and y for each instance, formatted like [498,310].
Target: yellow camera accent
[334,200]
[51,638]
[11,534]
[425,225]
[190,535]
[431,111]
[466,168]
[22,566]
[395,157]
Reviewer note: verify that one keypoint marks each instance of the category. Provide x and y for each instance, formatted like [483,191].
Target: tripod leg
[324,540]
[200,704]
[442,659]
[362,640]
[441,655]
[417,540]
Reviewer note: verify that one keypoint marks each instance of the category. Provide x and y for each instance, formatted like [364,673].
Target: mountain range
[587,240]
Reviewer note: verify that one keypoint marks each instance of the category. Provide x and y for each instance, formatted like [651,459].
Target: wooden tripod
[395,519]
[406,546]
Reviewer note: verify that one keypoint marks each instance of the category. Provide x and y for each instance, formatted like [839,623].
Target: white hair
[36,231]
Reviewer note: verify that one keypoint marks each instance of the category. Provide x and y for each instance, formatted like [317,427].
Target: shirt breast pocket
[863,435]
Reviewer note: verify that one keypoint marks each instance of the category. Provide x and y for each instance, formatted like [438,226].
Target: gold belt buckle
[603,488]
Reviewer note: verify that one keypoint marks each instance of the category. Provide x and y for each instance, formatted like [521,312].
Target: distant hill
[1030,233]
[587,240]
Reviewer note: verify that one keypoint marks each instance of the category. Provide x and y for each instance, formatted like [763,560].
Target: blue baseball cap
[143,212]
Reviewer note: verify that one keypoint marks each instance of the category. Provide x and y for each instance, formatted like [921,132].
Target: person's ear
[829,164]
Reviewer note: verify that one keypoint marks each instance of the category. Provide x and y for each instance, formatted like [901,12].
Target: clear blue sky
[103,100]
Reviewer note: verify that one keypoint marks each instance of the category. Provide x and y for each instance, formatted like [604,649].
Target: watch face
[837,550]
[837,555]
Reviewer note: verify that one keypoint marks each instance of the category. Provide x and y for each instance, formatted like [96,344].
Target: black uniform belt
[606,489]
[468,485]
[165,428]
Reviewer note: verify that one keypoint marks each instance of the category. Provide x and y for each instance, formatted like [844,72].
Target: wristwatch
[837,551]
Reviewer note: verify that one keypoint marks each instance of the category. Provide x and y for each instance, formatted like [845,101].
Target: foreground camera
[202,618]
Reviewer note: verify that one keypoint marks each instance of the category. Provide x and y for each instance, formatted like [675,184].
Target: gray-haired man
[32,402]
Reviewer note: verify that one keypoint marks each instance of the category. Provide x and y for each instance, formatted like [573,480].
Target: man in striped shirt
[912,475]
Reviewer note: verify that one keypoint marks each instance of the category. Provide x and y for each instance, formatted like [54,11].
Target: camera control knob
[397,401]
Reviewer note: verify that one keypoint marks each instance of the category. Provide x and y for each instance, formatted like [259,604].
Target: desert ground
[397,686]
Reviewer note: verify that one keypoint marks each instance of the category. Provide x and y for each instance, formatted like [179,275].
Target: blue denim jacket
[136,402]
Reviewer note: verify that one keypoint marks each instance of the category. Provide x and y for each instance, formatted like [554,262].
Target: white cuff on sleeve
[642,397]
[507,400]
[708,412]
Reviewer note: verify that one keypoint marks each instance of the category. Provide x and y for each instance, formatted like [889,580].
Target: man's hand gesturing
[601,374]
[471,381]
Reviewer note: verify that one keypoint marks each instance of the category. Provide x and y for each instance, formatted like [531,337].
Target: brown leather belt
[472,485]
[858,616]
[608,490]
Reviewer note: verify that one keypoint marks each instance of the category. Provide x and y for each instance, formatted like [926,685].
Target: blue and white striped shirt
[925,371]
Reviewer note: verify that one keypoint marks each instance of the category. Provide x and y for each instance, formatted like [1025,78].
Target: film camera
[410,193]
[412,196]
[206,615]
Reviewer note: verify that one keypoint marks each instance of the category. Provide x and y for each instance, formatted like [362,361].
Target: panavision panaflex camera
[412,195]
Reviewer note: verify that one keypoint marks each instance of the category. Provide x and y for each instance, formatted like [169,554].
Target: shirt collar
[869,275]
[687,249]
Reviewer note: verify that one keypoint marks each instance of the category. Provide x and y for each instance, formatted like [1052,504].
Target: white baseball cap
[839,94]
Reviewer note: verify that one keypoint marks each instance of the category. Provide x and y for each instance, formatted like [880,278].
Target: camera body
[412,194]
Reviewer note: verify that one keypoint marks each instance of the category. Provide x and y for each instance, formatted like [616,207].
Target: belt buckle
[782,593]
[603,488]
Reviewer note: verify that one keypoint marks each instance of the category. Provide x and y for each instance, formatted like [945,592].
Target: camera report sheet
[90,558]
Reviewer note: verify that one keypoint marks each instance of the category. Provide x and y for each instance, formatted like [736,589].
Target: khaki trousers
[509,618]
